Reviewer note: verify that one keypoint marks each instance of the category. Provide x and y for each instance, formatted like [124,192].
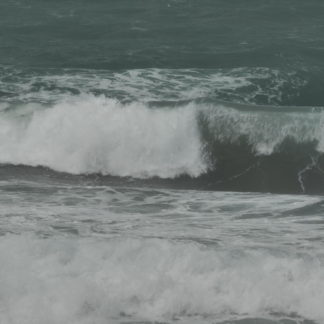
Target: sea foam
[91,134]
[66,280]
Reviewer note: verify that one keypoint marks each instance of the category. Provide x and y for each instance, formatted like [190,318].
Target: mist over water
[161,161]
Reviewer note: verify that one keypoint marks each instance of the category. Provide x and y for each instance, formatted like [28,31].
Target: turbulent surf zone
[132,281]
[217,146]
[85,253]
[161,162]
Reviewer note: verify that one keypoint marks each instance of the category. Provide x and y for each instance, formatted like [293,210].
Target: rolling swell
[207,146]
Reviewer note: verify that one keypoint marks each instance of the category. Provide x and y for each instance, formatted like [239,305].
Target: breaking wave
[220,146]
[98,135]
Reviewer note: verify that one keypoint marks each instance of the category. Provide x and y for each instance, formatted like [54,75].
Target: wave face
[213,146]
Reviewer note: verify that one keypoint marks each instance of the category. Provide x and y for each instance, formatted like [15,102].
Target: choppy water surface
[87,253]
[161,162]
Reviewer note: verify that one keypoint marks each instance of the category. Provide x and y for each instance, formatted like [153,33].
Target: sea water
[161,161]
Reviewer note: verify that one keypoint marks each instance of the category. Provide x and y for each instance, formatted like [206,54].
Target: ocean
[161,161]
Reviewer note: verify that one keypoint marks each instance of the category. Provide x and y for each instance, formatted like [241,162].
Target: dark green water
[165,34]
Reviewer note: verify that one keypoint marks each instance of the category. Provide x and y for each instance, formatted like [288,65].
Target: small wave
[99,135]
[250,85]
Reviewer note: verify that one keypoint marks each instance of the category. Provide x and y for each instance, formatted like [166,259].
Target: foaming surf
[259,85]
[84,253]
[144,281]
[220,146]
[160,163]
[99,135]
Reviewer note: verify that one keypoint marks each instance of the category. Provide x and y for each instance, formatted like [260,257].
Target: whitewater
[104,220]
[88,134]
[161,162]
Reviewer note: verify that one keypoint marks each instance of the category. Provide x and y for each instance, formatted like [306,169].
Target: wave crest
[99,135]
[223,146]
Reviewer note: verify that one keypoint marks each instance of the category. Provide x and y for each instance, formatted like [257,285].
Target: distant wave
[258,85]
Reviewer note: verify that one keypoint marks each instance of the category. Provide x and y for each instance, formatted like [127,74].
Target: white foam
[91,134]
[152,84]
[61,280]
